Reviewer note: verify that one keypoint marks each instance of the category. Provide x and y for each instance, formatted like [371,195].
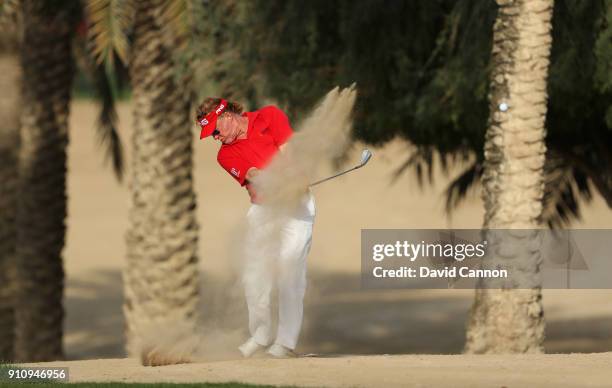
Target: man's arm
[251,173]
[235,166]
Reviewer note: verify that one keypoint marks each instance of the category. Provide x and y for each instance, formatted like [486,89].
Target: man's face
[228,129]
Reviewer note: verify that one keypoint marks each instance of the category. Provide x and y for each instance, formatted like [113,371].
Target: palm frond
[106,129]
[564,185]
[107,122]
[109,22]
[458,188]
[422,160]
[177,17]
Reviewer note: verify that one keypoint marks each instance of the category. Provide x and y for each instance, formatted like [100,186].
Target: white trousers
[276,251]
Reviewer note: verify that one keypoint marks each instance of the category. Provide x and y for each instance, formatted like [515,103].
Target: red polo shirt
[268,129]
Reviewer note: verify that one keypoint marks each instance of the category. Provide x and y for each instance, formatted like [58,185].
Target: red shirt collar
[252,116]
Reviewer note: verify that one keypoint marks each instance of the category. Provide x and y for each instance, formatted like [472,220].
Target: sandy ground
[558,370]
[340,318]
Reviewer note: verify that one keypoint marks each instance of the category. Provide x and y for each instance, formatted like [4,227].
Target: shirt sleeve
[278,125]
[235,166]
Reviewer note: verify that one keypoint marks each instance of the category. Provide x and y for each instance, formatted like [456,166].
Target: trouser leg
[295,245]
[257,280]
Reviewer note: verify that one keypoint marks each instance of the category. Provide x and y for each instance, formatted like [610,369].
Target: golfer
[249,142]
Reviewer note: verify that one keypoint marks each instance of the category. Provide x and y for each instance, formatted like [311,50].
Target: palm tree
[508,320]
[33,192]
[161,280]
[48,69]
[10,78]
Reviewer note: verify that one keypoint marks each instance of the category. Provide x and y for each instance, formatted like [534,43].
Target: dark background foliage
[421,68]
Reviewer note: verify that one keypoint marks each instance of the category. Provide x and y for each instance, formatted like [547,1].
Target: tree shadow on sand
[94,319]
[340,318]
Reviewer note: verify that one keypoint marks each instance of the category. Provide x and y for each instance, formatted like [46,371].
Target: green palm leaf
[176,16]
[109,23]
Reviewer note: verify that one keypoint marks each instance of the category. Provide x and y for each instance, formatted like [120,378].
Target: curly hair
[211,103]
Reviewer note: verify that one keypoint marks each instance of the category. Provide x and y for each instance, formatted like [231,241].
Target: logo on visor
[220,109]
[203,122]
[235,172]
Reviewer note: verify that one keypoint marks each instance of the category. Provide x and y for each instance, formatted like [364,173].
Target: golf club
[365,157]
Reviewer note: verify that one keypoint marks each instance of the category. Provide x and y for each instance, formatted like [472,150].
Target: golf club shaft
[334,176]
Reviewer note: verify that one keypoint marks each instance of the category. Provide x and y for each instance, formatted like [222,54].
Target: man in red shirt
[249,142]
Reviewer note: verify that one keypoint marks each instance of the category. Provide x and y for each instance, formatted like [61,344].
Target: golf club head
[365,157]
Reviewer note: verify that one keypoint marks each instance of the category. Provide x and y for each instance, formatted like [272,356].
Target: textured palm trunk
[47,79]
[512,320]
[161,279]
[10,102]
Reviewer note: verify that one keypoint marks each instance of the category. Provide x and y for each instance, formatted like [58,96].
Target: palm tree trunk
[10,102]
[512,320]
[48,70]
[161,279]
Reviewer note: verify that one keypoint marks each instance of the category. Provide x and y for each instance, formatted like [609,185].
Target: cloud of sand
[166,342]
[320,139]
[171,341]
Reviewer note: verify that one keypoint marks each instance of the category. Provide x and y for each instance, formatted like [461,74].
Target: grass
[138,385]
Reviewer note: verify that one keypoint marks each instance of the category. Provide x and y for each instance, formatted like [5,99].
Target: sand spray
[319,140]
